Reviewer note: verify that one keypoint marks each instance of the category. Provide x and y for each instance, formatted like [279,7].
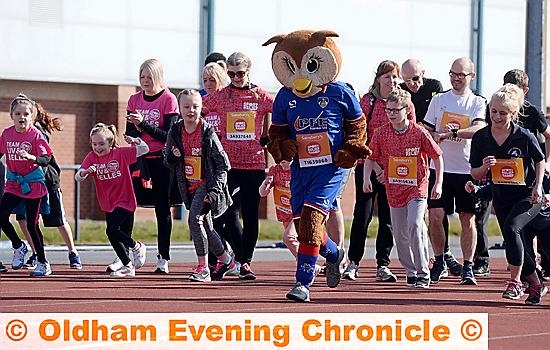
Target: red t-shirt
[34,143]
[241,120]
[153,114]
[281,192]
[192,156]
[414,146]
[113,183]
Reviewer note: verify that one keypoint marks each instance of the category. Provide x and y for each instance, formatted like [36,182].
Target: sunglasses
[416,78]
[239,74]
[391,111]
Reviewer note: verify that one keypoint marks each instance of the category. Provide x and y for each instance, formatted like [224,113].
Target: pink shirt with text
[281,178]
[34,143]
[247,153]
[153,114]
[113,183]
[415,142]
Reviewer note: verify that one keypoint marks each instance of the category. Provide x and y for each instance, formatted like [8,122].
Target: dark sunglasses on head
[239,74]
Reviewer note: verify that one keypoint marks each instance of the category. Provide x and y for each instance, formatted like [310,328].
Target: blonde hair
[216,71]
[511,96]
[187,92]
[157,72]
[400,96]
[108,131]
[238,58]
[22,99]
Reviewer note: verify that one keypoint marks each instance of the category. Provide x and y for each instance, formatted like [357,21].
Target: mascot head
[305,61]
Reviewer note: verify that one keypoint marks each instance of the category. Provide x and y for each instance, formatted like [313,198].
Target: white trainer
[115,265]
[162,265]
[139,252]
[125,270]
[19,256]
[41,270]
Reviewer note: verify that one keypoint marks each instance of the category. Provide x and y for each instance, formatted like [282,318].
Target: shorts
[316,187]
[56,215]
[454,196]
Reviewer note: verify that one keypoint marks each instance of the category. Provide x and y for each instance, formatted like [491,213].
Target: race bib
[281,197]
[241,126]
[313,149]
[455,121]
[402,171]
[508,172]
[193,168]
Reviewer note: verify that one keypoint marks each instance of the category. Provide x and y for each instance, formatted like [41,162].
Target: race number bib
[455,121]
[281,197]
[508,172]
[241,126]
[402,171]
[193,168]
[313,149]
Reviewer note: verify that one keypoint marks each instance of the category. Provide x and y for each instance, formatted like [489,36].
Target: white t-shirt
[464,110]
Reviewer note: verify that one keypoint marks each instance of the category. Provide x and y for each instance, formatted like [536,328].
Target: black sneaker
[220,270]
[536,292]
[438,271]
[31,262]
[411,281]
[3,268]
[468,278]
[246,273]
[455,268]
[74,261]
[482,270]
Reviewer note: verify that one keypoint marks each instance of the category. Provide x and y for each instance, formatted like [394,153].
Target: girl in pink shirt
[151,113]
[27,151]
[109,166]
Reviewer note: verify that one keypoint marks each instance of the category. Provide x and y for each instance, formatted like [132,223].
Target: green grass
[93,232]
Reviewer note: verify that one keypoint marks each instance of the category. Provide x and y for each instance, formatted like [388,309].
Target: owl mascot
[318,125]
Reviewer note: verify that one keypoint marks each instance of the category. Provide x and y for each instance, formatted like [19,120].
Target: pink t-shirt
[192,156]
[241,120]
[34,143]
[113,183]
[153,114]
[415,143]
[281,192]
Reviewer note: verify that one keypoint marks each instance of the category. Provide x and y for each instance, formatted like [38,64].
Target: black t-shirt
[421,99]
[519,144]
[532,119]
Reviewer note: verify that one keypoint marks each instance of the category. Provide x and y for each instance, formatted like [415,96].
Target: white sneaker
[115,265]
[41,270]
[19,256]
[235,271]
[162,265]
[139,252]
[125,270]
[350,273]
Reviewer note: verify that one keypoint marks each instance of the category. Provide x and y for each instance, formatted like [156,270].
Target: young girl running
[403,148]
[516,162]
[55,217]
[26,153]
[109,166]
[195,154]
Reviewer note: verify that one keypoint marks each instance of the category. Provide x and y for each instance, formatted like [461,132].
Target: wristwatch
[455,133]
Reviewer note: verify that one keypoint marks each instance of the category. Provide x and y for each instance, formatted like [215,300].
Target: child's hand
[176,152]
[269,182]
[469,186]
[24,154]
[90,170]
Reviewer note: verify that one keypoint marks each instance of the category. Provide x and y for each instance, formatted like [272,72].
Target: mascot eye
[313,64]
[289,65]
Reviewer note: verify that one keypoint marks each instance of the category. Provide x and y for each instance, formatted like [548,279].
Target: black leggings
[120,223]
[160,177]
[32,205]
[512,218]
[246,202]
[362,216]
[538,227]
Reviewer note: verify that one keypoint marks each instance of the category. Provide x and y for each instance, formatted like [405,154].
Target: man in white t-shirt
[453,117]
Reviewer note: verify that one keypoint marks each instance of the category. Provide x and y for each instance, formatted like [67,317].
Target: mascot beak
[303,86]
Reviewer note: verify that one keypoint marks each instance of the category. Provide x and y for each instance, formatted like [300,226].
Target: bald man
[422,89]
[453,117]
